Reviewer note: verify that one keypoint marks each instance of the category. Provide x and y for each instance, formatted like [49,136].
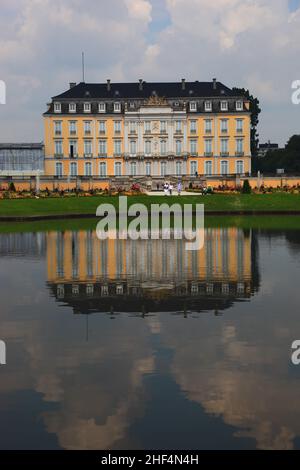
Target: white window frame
[133,169]
[59,173]
[208,106]
[57,107]
[58,142]
[87,127]
[73,165]
[224,105]
[178,144]
[102,144]
[73,127]
[85,143]
[163,127]
[208,163]
[208,126]
[101,107]
[117,147]
[102,124]
[75,147]
[148,166]
[208,146]
[193,106]
[239,106]
[178,168]
[117,127]
[117,107]
[102,165]
[72,108]
[194,167]
[57,127]
[147,127]
[224,163]
[119,166]
[163,147]
[132,145]
[224,146]
[193,144]
[148,147]
[163,168]
[237,164]
[87,107]
[88,165]
[193,126]
[224,126]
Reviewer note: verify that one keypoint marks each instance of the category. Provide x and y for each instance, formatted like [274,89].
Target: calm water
[126,345]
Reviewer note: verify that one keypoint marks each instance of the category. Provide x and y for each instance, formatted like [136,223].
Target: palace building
[139,131]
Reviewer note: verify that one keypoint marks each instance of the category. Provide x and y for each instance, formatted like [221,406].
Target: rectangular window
[178,147]
[224,146]
[73,169]
[102,148]
[73,127]
[208,146]
[57,107]
[133,168]
[224,168]
[193,147]
[117,147]
[102,127]
[240,167]
[208,106]
[194,168]
[208,126]
[58,147]
[208,168]
[224,126]
[178,126]
[239,106]
[88,169]
[193,106]
[163,147]
[102,169]
[240,146]
[148,147]
[87,107]
[163,168]
[72,108]
[163,127]
[57,127]
[148,168]
[147,127]
[58,169]
[132,146]
[224,105]
[87,127]
[102,108]
[117,127]
[239,125]
[117,107]
[88,148]
[178,168]
[73,148]
[193,127]
[118,169]
[132,127]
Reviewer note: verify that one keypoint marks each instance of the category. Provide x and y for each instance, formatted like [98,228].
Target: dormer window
[208,106]
[117,107]
[224,105]
[239,106]
[57,107]
[102,108]
[193,106]
[87,107]
[72,107]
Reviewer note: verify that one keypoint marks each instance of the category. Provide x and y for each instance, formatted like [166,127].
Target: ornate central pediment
[156,101]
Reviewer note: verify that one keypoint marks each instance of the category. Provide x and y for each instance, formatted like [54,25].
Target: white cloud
[251,43]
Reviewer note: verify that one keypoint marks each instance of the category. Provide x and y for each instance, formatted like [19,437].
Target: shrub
[246,189]
[12,187]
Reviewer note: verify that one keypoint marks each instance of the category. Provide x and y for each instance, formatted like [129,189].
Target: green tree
[255,112]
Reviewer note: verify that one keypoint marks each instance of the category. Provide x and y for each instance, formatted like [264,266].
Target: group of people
[169,188]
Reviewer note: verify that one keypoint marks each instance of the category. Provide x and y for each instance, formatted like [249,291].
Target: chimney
[72,84]
[141,84]
[183,83]
[108,85]
[214,83]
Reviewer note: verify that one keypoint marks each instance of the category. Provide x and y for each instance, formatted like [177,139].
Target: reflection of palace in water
[151,275]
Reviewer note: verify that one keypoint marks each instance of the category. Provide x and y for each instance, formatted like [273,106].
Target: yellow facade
[193,141]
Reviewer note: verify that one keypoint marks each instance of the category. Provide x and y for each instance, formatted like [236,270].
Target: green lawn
[88,205]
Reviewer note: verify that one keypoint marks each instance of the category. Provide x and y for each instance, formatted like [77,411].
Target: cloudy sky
[250,43]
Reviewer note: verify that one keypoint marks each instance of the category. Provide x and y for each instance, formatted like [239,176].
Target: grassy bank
[249,222]
[88,205]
